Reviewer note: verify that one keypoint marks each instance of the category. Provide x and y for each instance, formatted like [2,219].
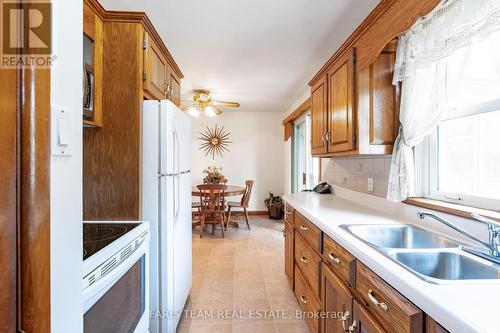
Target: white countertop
[459,308]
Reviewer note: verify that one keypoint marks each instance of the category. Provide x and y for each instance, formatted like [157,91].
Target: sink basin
[446,265]
[398,237]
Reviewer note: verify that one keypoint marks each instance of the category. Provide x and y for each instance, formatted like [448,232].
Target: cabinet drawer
[289,214]
[309,231]
[309,262]
[308,302]
[339,260]
[389,307]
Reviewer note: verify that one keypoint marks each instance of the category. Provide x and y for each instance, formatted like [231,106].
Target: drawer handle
[303,259]
[381,305]
[345,318]
[304,228]
[352,328]
[333,258]
[303,299]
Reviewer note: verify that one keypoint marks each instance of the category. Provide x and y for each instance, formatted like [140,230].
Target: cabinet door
[155,69]
[289,252]
[175,89]
[341,122]
[363,322]
[336,299]
[378,104]
[319,119]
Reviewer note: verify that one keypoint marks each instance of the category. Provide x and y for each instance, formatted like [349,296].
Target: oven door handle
[94,292]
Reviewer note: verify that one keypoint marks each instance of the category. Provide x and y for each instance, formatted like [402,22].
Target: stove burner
[97,236]
[100,233]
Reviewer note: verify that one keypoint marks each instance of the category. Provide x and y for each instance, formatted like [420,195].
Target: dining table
[231,191]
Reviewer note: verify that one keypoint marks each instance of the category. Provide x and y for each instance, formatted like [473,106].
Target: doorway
[305,168]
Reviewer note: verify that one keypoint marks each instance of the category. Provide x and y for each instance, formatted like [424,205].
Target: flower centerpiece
[275,206]
[214,175]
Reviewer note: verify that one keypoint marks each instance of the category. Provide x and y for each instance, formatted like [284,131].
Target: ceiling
[261,53]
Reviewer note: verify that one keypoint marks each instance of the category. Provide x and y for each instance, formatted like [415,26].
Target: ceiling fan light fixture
[210,112]
[193,111]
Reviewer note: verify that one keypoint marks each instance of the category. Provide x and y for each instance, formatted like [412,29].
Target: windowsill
[451,208]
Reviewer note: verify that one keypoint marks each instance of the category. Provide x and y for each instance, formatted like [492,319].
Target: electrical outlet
[370,184]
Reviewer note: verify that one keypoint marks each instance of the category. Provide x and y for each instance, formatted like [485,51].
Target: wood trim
[386,21]
[453,209]
[34,205]
[287,131]
[258,212]
[137,17]
[364,26]
[304,107]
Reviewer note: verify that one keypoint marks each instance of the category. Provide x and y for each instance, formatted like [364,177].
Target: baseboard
[258,212]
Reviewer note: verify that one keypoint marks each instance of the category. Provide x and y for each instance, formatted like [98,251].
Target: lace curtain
[421,67]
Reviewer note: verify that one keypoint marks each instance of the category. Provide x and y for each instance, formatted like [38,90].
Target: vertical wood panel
[8,202]
[112,155]
[35,201]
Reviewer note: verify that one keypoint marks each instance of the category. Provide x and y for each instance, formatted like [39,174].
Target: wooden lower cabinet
[363,322]
[289,252]
[432,327]
[336,302]
[307,301]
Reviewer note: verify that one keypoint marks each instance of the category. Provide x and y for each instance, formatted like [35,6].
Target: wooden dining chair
[212,206]
[242,204]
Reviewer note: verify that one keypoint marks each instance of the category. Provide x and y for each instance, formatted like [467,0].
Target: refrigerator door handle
[176,177]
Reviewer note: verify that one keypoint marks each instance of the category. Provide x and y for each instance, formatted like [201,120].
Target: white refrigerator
[166,204]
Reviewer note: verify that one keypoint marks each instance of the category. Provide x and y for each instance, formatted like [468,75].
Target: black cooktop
[98,235]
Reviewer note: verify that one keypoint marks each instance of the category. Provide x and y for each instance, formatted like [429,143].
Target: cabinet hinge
[144,75]
[354,137]
[145,44]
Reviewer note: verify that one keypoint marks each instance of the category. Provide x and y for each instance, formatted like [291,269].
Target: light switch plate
[61,140]
[370,184]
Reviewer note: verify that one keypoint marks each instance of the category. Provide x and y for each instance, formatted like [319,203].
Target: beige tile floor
[239,284]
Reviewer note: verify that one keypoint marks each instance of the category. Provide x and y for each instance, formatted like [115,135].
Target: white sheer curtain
[421,67]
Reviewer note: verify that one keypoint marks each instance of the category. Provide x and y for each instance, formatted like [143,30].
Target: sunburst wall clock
[215,141]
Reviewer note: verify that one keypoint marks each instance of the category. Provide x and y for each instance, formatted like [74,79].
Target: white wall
[256,152]
[66,173]
[287,149]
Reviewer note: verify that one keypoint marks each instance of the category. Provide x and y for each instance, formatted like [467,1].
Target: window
[305,169]
[460,161]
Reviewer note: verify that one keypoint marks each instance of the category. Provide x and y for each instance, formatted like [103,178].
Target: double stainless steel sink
[431,257]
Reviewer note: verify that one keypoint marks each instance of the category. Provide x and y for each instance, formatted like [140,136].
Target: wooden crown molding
[138,17]
[381,8]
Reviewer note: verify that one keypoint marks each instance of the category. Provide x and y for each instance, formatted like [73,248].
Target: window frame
[427,162]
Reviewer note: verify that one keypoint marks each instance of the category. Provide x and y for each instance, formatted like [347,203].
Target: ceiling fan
[202,101]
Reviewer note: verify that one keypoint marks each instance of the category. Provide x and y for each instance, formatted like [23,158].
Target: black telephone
[323,188]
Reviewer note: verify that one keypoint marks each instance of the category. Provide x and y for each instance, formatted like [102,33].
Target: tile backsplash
[353,173]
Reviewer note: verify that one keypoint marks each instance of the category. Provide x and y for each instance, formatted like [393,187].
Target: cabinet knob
[303,259]
[304,228]
[303,299]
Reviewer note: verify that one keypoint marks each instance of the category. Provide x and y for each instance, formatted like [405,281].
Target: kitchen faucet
[493,231]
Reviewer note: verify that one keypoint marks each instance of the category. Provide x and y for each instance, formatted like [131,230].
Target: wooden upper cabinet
[319,117]
[378,104]
[155,69]
[336,298]
[175,88]
[341,117]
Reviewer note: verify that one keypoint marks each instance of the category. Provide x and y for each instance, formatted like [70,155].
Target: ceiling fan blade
[184,108]
[229,104]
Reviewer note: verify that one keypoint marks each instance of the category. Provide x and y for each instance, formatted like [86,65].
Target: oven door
[119,302]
